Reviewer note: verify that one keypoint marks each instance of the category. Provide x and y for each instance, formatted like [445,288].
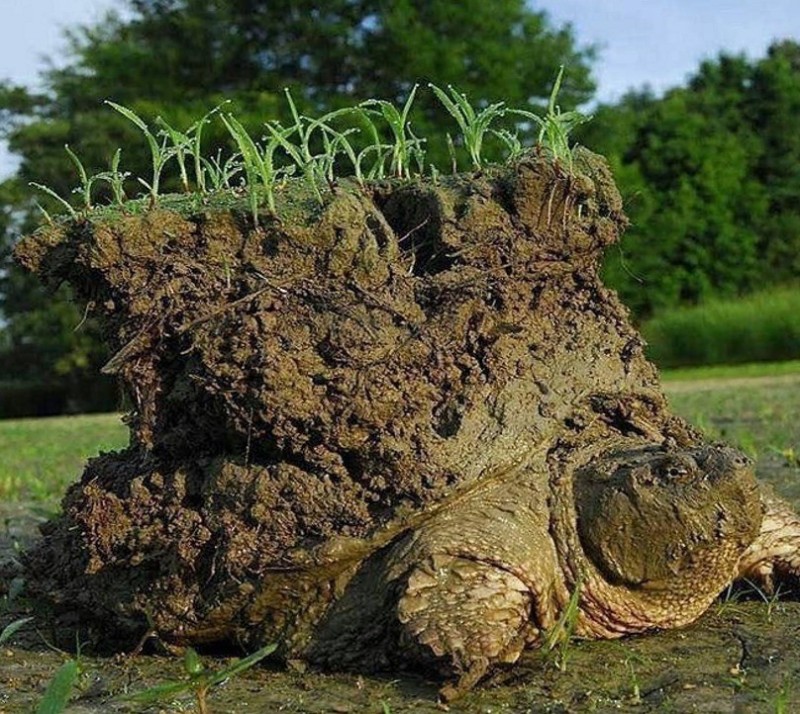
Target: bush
[36,399]
[762,327]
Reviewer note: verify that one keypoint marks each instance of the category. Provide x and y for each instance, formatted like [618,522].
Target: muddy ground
[742,656]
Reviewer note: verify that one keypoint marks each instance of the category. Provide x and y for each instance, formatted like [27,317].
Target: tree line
[710,171]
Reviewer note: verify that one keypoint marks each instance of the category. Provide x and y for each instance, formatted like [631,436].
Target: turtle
[408,428]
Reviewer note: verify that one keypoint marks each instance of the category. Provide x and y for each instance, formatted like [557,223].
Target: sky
[654,42]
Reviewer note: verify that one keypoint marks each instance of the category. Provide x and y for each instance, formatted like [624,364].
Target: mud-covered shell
[333,372]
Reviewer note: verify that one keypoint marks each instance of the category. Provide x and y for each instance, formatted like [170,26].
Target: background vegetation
[710,171]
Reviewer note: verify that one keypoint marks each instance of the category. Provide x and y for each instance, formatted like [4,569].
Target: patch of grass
[317,150]
[39,458]
[198,680]
[731,371]
[762,327]
[763,419]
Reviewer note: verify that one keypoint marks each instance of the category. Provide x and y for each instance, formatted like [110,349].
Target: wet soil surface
[742,656]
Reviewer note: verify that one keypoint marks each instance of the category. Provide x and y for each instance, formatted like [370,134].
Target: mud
[302,384]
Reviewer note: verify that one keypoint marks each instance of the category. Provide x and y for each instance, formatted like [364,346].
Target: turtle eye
[676,470]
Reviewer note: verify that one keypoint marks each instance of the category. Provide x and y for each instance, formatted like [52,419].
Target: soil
[307,386]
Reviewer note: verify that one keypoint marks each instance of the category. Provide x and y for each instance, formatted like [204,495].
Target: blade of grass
[10,630]
[49,191]
[58,692]
[158,153]
[86,182]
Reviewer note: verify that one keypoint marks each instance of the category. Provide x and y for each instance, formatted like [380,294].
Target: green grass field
[40,457]
[756,407]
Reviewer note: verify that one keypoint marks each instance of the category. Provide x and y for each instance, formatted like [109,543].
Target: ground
[735,659]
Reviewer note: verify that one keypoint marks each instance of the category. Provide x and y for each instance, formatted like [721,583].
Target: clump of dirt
[302,385]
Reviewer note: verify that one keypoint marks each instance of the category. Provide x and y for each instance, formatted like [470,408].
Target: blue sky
[655,42]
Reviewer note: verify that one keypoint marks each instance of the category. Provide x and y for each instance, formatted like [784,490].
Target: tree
[179,58]
[710,173]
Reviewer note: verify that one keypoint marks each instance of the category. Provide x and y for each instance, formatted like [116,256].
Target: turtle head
[662,518]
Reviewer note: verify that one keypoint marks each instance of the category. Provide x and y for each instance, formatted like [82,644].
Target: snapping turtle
[407,427]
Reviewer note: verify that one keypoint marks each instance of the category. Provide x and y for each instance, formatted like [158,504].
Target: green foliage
[474,125]
[404,144]
[709,176]
[313,146]
[555,127]
[762,327]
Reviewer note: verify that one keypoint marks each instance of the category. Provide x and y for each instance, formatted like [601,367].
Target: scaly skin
[650,534]
[773,559]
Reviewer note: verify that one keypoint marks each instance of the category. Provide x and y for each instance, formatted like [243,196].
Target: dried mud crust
[303,384]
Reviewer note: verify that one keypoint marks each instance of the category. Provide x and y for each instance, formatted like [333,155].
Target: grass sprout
[558,639]
[555,126]
[220,173]
[405,144]
[258,163]
[474,125]
[511,141]
[49,191]
[11,629]
[58,692]
[87,182]
[159,153]
[375,137]
[198,680]
[115,178]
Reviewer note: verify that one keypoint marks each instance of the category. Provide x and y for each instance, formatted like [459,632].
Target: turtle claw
[455,690]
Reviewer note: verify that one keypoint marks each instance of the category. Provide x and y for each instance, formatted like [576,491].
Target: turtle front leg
[773,559]
[462,616]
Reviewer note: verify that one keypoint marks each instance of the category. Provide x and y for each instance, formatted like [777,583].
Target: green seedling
[405,143]
[632,659]
[198,680]
[451,150]
[474,125]
[313,148]
[316,168]
[160,154]
[85,189]
[58,692]
[10,630]
[115,178]
[188,144]
[49,191]
[258,163]
[220,173]
[377,170]
[555,126]
[511,141]
[558,639]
